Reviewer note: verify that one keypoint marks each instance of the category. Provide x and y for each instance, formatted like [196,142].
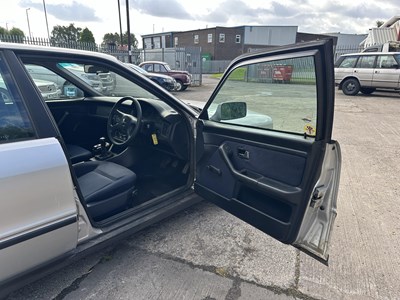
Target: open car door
[264,149]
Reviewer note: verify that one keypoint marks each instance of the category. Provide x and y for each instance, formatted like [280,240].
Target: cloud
[73,12]
[161,8]
[234,10]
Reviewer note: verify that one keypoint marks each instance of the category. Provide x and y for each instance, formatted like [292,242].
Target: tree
[111,38]
[16,32]
[86,36]
[65,34]
[134,41]
[114,39]
[379,23]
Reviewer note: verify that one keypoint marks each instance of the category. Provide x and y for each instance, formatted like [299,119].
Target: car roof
[153,62]
[47,49]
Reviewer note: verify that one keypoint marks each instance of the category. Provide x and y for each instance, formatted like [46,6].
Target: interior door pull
[243,153]
[214,170]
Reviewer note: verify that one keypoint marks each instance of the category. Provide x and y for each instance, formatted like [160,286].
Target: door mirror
[230,111]
[95,69]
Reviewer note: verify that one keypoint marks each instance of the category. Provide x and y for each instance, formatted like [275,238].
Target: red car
[183,78]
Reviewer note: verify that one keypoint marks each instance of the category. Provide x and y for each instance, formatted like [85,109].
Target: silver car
[365,72]
[80,172]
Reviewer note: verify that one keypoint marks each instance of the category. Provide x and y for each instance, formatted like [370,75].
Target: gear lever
[103,149]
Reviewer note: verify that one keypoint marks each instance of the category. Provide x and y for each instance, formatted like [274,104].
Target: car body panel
[43,222]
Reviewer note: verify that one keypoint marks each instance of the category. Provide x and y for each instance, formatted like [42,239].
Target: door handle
[243,153]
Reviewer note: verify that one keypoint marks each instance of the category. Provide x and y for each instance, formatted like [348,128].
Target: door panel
[264,148]
[38,219]
[270,184]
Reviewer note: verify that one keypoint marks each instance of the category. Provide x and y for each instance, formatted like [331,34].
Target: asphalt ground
[205,253]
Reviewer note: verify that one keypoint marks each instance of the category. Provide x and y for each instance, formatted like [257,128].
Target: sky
[155,16]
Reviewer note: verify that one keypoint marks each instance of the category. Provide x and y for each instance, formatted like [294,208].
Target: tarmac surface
[205,253]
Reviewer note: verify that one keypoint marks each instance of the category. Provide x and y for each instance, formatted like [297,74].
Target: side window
[148,68]
[15,124]
[366,62]
[51,85]
[386,62]
[348,62]
[278,95]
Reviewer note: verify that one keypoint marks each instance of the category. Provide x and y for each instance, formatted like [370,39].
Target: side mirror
[95,69]
[230,111]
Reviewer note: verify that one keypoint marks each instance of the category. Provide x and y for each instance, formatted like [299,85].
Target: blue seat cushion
[106,187]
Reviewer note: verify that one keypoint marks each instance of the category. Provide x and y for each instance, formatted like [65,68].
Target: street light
[47,23]
[27,18]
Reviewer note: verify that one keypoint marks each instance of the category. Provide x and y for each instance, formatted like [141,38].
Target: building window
[237,39]
[196,38]
[176,41]
[222,37]
[209,38]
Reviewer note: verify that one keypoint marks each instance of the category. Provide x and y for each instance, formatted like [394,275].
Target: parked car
[156,155]
[48,89]
[365,72]
[167,82]
[183,78]
[101,82]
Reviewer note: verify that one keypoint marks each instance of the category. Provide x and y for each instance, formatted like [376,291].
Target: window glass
[348,62]
[51,85]
[279,95]
[14,121]
[386,62]
[196,38]
[237,39]
[222,37]
[366,62]
[209,38]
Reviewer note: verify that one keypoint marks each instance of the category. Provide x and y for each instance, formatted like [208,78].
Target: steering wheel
[122,127]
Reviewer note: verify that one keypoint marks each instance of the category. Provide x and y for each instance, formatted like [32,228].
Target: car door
[38,215]
[386,73]
[364,69]
[264,149]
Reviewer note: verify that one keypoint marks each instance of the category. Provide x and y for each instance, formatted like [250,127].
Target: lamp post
[120,25]
[129,33]
[47,23]
[27,19]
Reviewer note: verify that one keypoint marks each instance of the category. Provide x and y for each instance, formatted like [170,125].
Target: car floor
[158,178]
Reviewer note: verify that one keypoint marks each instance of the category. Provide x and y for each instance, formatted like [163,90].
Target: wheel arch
[348,77]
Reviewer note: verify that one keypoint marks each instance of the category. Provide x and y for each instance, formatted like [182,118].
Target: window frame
[221,38]
[317,124]
[238,38]
[209,38]
[12,89]
[196,39]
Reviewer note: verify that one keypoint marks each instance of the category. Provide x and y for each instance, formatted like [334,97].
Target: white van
[368,71]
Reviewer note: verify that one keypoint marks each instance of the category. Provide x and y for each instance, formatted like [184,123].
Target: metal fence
[344,49]
[186,59]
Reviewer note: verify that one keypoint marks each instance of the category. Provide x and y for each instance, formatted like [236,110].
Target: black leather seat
[78,154]
[106,187]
